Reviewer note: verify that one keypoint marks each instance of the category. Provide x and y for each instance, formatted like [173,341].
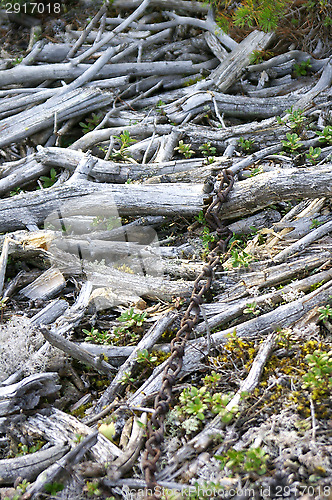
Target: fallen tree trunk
[86,197]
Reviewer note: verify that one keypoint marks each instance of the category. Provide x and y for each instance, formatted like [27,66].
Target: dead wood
[29,466]
[174,99]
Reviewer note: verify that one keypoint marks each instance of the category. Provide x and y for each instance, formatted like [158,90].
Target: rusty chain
[155,427]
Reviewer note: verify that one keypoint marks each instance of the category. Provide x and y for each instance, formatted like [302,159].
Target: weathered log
[45,286]
[61,468]
[232,66]
[75,351]
[58,428]
[246,197]
[29,466]
[27,393]
[230,105]
[26,123]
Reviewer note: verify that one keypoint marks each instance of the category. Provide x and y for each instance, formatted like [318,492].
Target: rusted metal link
[155,427]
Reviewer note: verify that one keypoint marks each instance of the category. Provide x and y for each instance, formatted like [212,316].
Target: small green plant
[315,223]
[144,356]
[326,135]
[16,191]
[313,154]
[295,119]
[258,56]
[17,60]
[49,181]
[256,171]
[212,380]
[320,370]
[92,489]
[292,143]
[207,237]
[159,105]
[3,305]
[252,460]
[124,140]
[194,400]
[195,403]
[200,217]
[91,123]
[301,69]
[246,144]
[240,258]
[251,309]
[23,486]
[126,379]
[261,14]
[53,488]
[97,337]
[325,312]
[184,149]
[208,151]
[130,320]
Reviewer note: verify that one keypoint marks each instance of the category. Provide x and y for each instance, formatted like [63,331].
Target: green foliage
[246,144]
[23,486]
[301,69]
[92,489]
[326,135]
[16,191]
[53,488]
[184,149]
[48,181]
[212,380]
[251,309]
[295,119]
[313,154]
[200,217]
[97,337]
[91,123]
[144,356]
[207,149]
[258,56]
[159,105]
[259,13]
[320,369]
[124,140]
[194,402]
[126,379]
[292,143]
[240,258]
[252,460]
[325,312]
[256,171]
[130,320]
[207,237]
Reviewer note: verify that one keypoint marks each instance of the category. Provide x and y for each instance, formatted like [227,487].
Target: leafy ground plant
[292,143]
[252,460]
[184,149]
[49,181]
[90,123]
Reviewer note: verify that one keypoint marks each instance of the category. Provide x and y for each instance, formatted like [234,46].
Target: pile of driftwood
[175,101]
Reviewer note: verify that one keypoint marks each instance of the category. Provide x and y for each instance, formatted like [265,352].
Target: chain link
[155,427]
